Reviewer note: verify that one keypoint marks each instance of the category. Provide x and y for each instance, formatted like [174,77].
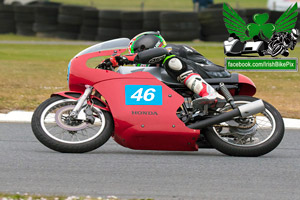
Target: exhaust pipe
[241,111]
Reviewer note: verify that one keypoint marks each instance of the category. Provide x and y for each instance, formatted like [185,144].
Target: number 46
[148,95]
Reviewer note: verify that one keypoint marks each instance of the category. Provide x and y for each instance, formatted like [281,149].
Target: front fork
[82,101]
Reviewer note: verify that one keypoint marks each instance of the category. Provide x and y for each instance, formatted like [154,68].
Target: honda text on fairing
[143,108]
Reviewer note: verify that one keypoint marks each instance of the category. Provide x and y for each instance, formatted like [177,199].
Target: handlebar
[107,64]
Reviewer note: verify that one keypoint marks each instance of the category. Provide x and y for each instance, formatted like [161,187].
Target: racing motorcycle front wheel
[52,125]
[252,136]
[276,49]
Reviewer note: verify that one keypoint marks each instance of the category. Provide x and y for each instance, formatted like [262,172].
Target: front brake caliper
[89,115]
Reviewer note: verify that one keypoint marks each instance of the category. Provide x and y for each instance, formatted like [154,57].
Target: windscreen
[121,43]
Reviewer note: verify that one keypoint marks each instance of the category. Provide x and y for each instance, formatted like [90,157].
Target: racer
[284,39]
[150,48]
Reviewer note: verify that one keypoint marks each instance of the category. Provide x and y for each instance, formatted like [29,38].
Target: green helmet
[146,40]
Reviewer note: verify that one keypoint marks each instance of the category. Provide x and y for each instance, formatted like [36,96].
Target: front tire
[276,50]
[52,127]
[261,132]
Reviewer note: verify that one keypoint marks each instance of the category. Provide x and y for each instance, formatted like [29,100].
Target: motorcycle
[281,42]
[143,108]
[278,45]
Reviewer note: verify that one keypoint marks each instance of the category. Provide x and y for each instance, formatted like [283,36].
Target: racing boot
[209,96]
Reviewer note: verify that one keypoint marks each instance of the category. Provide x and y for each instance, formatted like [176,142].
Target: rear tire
[48,121]
[268,131]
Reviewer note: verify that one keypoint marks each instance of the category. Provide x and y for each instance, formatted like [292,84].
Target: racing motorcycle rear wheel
[252,136]
[52,125]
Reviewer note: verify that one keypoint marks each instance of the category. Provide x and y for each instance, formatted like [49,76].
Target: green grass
[29,73]
[184,5]
[18,196]
[26,196]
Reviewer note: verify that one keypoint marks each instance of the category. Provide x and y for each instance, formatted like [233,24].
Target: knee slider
[175,64]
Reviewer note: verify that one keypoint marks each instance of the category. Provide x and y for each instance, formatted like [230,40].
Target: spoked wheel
[53,126]
[255,135]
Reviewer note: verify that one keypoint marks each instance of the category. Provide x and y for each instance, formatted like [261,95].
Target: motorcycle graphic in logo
[268,39]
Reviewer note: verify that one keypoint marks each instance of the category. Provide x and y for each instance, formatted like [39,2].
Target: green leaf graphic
[260,28]
[261,18]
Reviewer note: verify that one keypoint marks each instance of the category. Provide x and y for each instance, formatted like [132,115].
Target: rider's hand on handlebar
[113,61]
[118,60]
[104,64]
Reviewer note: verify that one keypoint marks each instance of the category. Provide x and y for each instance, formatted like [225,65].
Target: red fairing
[246,86]
[81,75]
[144,127]
[147,127]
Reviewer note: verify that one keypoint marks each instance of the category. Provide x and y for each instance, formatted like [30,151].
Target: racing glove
[113,61]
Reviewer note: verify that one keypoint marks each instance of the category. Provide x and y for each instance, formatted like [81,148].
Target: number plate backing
[143,95]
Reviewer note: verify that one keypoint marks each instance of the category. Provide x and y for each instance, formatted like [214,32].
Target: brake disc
[243,131]
[239,127]
[242,123]
[63,120]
